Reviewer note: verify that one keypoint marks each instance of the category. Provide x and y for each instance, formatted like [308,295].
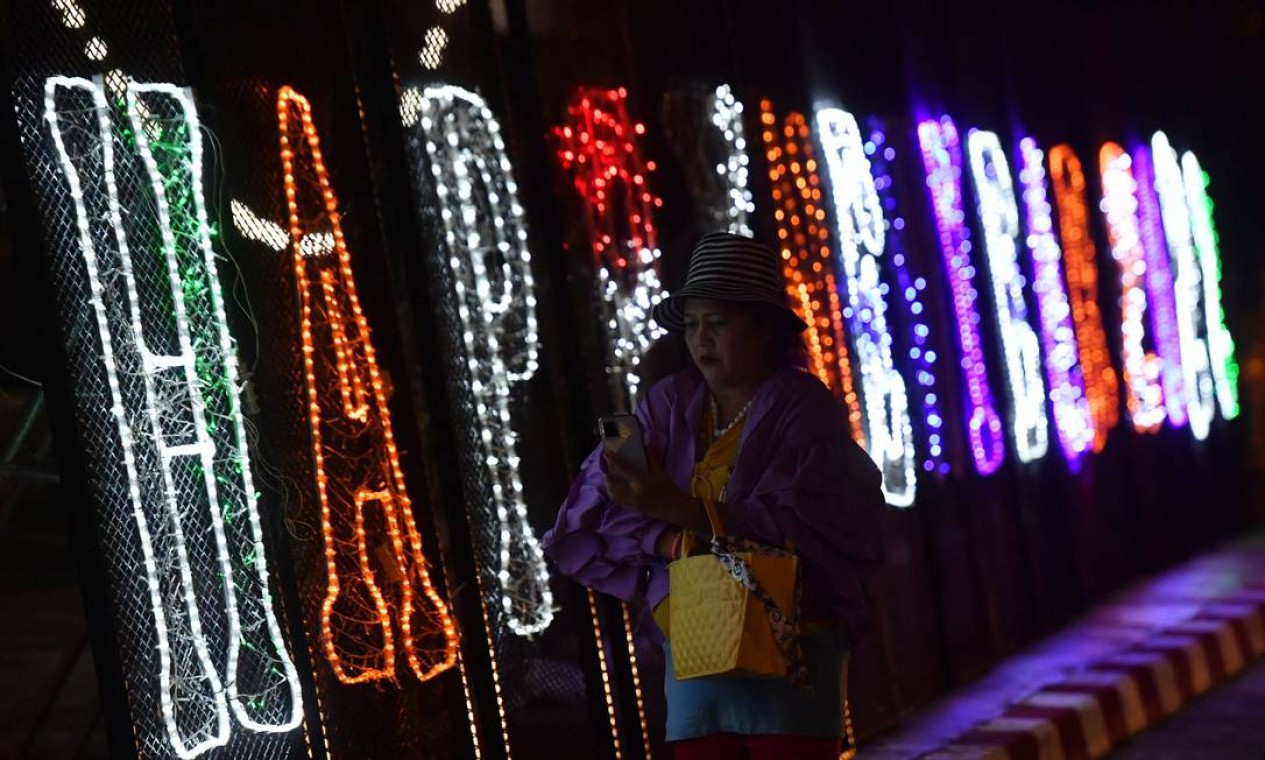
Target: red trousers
[757,747]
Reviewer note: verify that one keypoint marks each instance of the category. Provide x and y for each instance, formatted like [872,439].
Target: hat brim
[670,312]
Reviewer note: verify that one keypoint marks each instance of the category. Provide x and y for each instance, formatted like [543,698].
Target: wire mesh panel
[115,157]
[301,212]
[479,266]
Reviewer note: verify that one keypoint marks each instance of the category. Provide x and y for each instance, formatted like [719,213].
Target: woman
[766,447]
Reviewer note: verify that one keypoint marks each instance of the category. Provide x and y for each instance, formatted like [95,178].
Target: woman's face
[727,346]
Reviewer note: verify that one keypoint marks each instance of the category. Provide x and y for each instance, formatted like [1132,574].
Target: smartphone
[621,435]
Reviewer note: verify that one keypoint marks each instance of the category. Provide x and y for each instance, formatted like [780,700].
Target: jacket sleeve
[599,543]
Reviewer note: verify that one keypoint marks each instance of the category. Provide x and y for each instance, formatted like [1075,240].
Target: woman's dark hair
[786,339]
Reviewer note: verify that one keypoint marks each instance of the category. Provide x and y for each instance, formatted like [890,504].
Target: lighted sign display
[172,373]
[999,217]
[808,265]
[942,159]
[862,242]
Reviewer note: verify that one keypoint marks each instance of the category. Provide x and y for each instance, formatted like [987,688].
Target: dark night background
[977,569]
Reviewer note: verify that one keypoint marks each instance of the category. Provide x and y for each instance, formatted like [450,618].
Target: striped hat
[728,267]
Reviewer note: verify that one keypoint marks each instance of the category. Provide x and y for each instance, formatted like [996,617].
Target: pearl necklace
[718,433]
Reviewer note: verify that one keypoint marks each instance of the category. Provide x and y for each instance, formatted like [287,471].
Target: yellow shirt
[711,471]
[711,474]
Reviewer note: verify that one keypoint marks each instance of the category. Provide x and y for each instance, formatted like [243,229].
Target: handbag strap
[713,520]
[785,629]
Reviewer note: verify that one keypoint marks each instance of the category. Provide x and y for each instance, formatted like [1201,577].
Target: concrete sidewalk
[1224,724]
[1129,664]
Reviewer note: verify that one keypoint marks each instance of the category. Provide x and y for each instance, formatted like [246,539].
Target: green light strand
[1225,366]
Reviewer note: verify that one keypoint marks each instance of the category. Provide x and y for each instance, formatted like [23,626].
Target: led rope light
[942,159]
[706,131]
[1161,300]
[1144,392]
[1067,179]
[483,224]
[1072,418]
[607,689]
[357,629]
[1196,363]
[911,287]
[167,624]
[1021,349]
[861,234]
[807,264]
[598,146]
[190,422]
[497,309]
[1225,367]
[184,175]
[726,117]
[314,243]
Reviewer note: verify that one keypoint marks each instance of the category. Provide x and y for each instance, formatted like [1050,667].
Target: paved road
[1227,723]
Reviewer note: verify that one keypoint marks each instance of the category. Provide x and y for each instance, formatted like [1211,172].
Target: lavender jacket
[799,480]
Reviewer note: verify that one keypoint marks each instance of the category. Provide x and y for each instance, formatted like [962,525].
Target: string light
[861,231]
[636,678]
[202,671]
[598,146]
[188,427]
[512,316]
[706,132]
[911,286]
[1072,418]
[231,497]
[607,689]
[726,117]
[356,623]
[486,250]
[1196,363]
[1161,301]
[807,264]
[999,216]
[470,713]
[1079,261]
[1144,393]
[942,159]
[1225,366]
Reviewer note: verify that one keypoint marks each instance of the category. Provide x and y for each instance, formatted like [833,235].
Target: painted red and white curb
[1086,713]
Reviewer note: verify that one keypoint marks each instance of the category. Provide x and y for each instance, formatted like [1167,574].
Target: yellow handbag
[720,621]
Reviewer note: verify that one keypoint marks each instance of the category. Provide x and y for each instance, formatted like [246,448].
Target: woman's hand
[653,494]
